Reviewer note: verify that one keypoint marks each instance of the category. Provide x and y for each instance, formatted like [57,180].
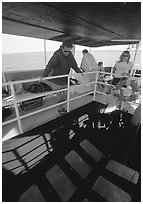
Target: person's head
[125,56]
[66,47]
[84,51]
[100,64]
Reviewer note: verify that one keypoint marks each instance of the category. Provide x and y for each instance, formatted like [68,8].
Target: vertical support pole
[96,77]
[16,107]
[68,94]
[3,77]
[133,73]
[111,71]
[4,80]
[73,52]
[137,49]
[45,49]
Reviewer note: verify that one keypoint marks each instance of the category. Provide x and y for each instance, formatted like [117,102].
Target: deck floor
[75,162]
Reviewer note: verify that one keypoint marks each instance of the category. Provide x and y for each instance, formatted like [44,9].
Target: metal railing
[15,100]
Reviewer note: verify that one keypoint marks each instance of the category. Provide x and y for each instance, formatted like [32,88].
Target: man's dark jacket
[60,65]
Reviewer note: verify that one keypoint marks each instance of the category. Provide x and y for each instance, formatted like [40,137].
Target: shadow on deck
[85,155]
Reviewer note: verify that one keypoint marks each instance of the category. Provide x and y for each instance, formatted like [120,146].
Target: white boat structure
[77,156]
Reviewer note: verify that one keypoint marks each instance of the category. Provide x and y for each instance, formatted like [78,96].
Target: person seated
[124,87]
[101,76]
[122,71]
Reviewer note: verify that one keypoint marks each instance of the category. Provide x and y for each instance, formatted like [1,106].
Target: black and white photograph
[71,101]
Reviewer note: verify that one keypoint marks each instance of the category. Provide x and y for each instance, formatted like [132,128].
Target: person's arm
[114,69]
[82,69]
[51,64]
[81,66]
[74,65]
[131,69]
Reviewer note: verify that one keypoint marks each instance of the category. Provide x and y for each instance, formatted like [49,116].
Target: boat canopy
[90,24]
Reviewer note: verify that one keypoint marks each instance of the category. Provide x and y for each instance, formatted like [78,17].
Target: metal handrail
[16,100]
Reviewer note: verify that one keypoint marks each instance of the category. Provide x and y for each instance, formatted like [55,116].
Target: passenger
[88,64]
[60,64]
[101,75]
[100,65]
[121,72]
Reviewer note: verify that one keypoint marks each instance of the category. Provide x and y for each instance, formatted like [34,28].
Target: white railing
[15,100]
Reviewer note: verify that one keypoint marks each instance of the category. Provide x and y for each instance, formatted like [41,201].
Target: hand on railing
[41,79]
[82,73]
[82,69]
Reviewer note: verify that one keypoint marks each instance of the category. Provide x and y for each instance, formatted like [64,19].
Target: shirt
[122,68]
[88,63]
[59,64]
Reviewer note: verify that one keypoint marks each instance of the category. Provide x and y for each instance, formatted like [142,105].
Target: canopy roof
[89,24]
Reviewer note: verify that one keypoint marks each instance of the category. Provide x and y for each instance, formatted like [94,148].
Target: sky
[16,44]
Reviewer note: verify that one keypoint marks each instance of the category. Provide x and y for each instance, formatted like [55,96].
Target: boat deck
[34,120]
[81,161]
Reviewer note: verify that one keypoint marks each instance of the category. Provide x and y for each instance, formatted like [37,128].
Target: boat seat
[123,171]
[22,75]
[61,183]
[110,191]
[112,186]
[91,150]
[78,164]
[32,194]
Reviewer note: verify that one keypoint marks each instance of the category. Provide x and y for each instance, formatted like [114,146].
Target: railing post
[4,80]
[45,49]
[16,107]
[135,55]
[68,94]
[96,77]
[71,70]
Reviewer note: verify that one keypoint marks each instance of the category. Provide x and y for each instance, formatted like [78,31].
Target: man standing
[89,64]
[60,64]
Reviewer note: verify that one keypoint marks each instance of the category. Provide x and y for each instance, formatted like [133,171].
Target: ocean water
[36,60]
[24,61]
